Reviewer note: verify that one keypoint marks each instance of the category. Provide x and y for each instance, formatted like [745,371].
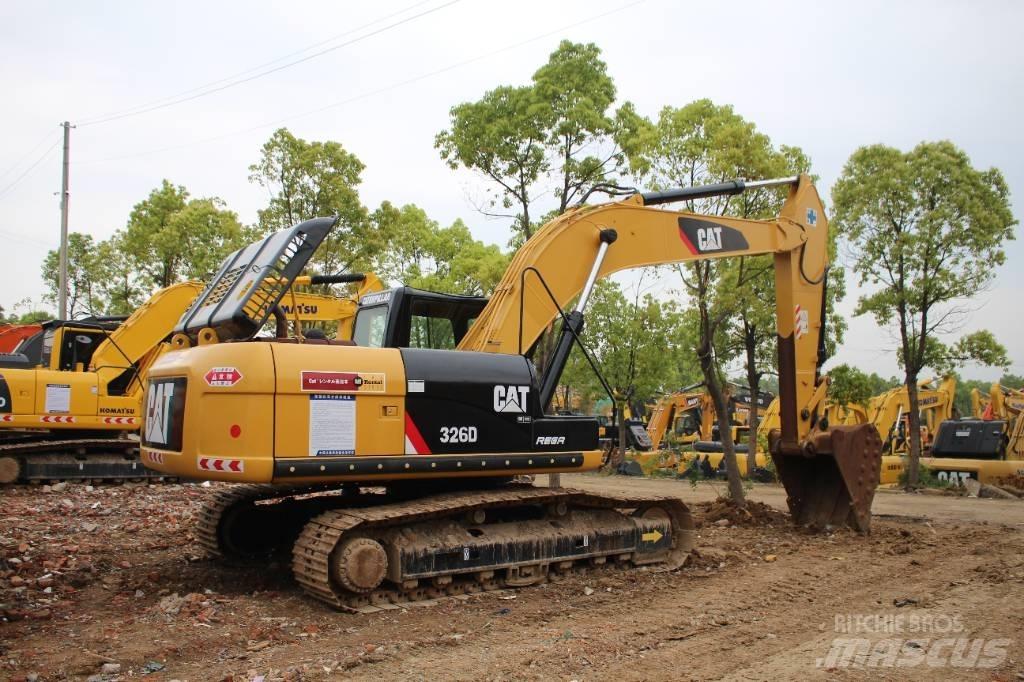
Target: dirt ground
[105,583]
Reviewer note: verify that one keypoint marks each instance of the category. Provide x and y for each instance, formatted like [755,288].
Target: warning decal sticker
[332,424]
[58,398]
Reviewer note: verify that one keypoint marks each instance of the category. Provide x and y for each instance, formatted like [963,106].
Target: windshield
[370,325]
[47,346]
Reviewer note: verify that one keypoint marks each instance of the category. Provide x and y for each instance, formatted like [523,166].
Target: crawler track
[28,458]
[517,555]
[468,540]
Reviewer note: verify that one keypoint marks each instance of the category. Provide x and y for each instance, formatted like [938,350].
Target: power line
[267,72]
[370,93]
[27,240]
[29,153]
[134,109]
[28,170]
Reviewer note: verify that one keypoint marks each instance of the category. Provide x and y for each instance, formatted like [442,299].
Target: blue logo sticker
[812,217]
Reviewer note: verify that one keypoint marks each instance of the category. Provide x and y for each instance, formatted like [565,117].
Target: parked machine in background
[69,400]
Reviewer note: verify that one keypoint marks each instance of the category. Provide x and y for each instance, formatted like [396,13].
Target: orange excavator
[11,335]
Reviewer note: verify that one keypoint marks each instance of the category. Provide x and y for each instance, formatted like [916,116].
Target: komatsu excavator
[75,390]
[391,463]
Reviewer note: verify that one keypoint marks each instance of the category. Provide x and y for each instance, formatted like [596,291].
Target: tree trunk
[714,388]
[753,421]
[753,418]
[914,437]
[619,453]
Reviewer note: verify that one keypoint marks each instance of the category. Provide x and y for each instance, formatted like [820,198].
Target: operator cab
[405,317]
[65,345]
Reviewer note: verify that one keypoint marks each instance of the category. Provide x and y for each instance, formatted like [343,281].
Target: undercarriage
[355,548]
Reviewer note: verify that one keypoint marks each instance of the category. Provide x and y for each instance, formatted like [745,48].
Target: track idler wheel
[831,481]
[359,565]
[10,469]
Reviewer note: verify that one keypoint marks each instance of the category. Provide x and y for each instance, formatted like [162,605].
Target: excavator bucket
[832,481]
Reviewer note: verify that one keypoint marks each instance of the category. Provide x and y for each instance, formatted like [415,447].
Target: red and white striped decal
[414,443]
[154,457]
[6,417]
[236,466]
[57,419]
[119,420]
[801,324]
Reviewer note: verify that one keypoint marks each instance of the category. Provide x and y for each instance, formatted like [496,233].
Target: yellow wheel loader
[74,391]
[385,465]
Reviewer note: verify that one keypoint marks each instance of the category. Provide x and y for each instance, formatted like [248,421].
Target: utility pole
[62,282]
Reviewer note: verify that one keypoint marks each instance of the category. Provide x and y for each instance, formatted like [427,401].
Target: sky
[827,76]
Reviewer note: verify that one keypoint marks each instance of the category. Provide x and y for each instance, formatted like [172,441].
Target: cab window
[370,326]
[47,353]
[431,332]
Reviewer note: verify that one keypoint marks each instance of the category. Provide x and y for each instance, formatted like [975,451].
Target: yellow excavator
[77,387]
[687,418]
[988,448]
[690,415]
[411,449]
[889,413]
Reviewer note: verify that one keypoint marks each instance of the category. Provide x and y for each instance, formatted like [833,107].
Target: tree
[574,94]
[122,288]
[502,137]
[1012,381]
[84,276]
[310,179]
[633,343]
[170,237]
[420,253]
[703,143]
[925,230]
[556,137]
[850,386]
[24,311]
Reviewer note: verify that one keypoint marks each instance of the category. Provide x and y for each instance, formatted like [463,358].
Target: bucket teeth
[834,483]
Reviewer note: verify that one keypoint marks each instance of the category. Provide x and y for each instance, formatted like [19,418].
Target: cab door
[63,388]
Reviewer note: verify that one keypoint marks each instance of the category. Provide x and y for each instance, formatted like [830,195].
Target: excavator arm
[568,255]
[564,259]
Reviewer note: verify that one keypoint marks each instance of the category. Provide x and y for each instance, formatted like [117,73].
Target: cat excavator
[74,391]
[386,465]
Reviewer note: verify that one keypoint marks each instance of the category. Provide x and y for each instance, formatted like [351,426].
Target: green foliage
[170,238]
[310,179]
[83,293]
[634,343]
[420,253]
[962,398]
[733,300]
[24,312]
[502,137]
[557,136]
[926,230]
[849,386]
[1012,381]
[926,478]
